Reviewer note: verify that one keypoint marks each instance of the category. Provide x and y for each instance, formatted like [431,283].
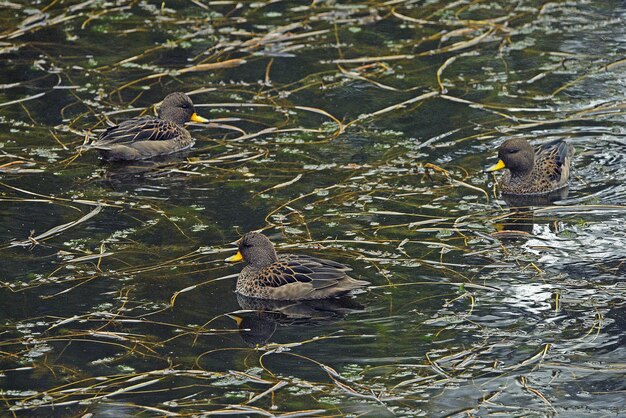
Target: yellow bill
[235,318]
[199,119]
[498,166]
[235,258]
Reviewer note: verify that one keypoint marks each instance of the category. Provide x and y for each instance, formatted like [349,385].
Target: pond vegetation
[356,131]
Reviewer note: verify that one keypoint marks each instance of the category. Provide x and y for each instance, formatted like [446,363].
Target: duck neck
[265,259]
[173,115]
[521,173]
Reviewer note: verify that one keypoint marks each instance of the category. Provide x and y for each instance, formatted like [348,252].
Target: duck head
[178,108]
[517,155]
[256,249]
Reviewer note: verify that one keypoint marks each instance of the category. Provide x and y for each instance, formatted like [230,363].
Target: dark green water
[325,117]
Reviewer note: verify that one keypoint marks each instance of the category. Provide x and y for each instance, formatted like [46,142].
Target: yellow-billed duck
[269,275]
[531,172]
[146,136]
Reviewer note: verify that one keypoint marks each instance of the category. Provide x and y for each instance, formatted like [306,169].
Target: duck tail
[564,153]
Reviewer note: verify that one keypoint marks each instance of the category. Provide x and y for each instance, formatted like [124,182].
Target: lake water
[356,131]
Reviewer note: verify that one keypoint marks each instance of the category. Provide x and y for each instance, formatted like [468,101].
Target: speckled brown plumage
[531,172]
[288,276]
[147,137]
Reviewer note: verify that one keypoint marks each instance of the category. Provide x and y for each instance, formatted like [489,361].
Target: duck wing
[321,273]
[554,159]
[301,269]
[144,128]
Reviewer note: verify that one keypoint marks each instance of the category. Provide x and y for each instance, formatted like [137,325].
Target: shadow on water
[353,131]
[258,325]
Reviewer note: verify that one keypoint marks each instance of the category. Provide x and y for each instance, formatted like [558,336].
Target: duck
[533,172]
[146,137]
[294,277]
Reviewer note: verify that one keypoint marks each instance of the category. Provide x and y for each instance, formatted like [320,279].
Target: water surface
[357,131]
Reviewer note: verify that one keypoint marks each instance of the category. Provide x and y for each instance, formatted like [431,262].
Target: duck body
[288,276]
[146,136]
[533,172]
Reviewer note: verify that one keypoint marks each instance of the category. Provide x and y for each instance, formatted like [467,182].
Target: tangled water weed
[356,131]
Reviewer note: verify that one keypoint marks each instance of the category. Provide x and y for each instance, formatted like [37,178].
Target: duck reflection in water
[521,220]
[258,319]
[122,176]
